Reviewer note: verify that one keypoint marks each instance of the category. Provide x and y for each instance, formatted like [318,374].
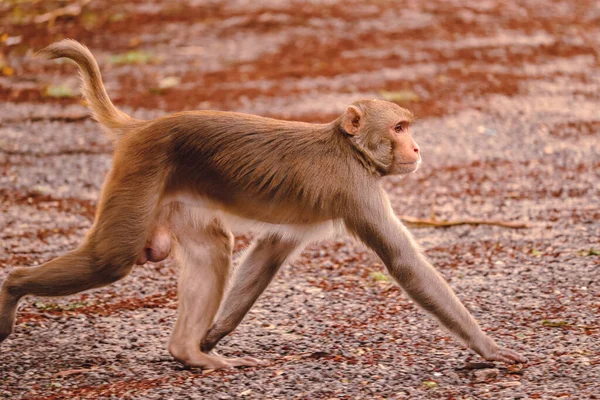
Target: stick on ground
[443,224]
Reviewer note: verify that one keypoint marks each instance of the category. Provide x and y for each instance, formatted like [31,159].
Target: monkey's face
[405,150]
[380,131]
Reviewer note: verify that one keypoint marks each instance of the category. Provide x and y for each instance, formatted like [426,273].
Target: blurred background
[507,100]
[303,59]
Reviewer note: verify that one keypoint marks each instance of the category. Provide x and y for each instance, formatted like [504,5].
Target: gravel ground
[507,95]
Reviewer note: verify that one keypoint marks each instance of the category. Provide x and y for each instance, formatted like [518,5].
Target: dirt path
[507,95]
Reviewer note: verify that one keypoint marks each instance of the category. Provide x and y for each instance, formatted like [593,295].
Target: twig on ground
[72,10]
[49,118]
[70,372]
[443,224]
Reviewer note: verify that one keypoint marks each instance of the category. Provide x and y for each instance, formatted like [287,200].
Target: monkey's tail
[103,110]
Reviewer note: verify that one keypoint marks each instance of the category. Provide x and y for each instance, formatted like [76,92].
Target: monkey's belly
[189,210]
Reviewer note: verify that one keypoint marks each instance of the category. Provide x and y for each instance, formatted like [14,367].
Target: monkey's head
[380,133]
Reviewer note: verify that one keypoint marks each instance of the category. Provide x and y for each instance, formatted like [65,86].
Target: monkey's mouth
[409,167]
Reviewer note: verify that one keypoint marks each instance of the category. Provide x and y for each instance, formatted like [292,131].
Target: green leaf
[59,91]
[430,384]
[379,276]
[40,305]
[117,17]
[590,252]
[555,324]
[132,57]
[73,306]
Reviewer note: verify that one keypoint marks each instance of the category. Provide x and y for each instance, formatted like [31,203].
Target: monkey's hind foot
[244,362]
[198,359]
[8,308]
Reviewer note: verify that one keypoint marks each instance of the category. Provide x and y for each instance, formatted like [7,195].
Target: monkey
[179,183]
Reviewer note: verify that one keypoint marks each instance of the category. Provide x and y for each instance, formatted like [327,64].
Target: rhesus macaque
[179,182]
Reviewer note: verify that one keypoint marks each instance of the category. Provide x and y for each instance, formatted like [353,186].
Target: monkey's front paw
[505,355]
[487,348]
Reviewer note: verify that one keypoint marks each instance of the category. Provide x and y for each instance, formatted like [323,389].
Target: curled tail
[103,110]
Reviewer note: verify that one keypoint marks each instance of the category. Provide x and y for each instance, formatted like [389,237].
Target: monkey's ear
[352,120]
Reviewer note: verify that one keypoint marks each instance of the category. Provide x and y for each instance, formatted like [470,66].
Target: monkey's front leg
[263,260]
[205,259]
[386,235]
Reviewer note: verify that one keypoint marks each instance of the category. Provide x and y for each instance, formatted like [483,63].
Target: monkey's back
[250,163]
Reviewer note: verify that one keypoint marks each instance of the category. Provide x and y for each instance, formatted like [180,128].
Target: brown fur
[180,180]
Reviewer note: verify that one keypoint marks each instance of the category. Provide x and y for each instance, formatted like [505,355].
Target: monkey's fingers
[506,355]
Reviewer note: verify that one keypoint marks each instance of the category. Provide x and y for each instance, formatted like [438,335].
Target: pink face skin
[407,154]
[380,127]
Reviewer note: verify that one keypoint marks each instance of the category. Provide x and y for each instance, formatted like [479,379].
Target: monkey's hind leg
[68,274]
[126,209]
[205,260]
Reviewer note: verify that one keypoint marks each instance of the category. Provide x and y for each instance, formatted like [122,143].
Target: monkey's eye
[401,127]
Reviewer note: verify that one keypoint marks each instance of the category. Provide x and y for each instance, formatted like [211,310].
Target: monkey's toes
[245,362]
[4,335]
[6,325]
[7,318]
[507,356]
